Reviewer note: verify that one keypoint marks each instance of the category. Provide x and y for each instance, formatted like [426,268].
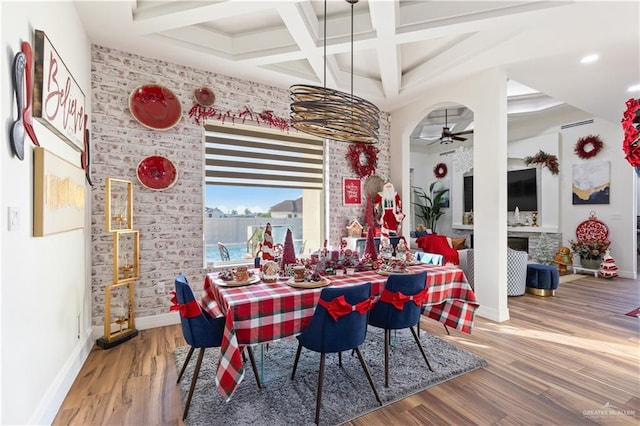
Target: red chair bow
[398,299]
[339,307]
[187,310]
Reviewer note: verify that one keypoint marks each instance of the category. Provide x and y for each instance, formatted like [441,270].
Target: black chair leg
[366,371]
[320,380]
[184,366]
[253,365]
[194,379]
[424,355]
[340,359]
[295,362]
[387,342]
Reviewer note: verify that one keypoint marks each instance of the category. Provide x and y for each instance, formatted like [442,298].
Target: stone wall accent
[171,221]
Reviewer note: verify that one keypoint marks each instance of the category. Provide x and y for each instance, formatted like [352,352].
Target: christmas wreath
[440,170]
[630,124]
[546,160]
[355,156]
[593,143]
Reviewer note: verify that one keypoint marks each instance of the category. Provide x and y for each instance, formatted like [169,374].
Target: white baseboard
[57,391]
[143,323]
[492,314]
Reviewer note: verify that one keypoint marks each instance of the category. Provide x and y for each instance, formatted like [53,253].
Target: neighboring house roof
[213,211]
[293,206]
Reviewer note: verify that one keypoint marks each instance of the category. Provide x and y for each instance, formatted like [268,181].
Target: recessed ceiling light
[589,59]
[634,88]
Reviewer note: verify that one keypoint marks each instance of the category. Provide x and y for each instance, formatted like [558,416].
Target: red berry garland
[440,170]
[370,153]
[594,142]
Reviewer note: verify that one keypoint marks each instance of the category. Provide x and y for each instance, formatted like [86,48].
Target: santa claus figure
[389,202]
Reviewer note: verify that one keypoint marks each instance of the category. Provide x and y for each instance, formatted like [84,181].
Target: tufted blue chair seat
[542,280]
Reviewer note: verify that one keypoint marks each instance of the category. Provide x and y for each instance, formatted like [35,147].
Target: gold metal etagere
[126,264]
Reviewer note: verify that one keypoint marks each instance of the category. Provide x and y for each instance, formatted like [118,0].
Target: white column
[490,194]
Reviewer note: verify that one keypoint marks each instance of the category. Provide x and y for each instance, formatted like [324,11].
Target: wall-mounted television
[522,191]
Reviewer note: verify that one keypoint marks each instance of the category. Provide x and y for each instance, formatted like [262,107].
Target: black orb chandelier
[330,113]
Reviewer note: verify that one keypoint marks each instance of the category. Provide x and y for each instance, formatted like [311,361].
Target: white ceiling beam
[472,46]
[302,26]
[165,16]
[383,20]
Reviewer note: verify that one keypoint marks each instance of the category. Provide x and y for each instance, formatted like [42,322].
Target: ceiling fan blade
[457,138]
[464,132]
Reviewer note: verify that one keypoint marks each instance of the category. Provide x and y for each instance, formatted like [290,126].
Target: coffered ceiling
[401,48]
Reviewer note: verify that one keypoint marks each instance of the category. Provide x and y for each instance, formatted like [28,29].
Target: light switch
[14,219]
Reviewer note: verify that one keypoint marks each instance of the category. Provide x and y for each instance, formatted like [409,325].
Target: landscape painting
[591,182]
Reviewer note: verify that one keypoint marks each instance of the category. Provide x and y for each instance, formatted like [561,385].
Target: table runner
[265,312]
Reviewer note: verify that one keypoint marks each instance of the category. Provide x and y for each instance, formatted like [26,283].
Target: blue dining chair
[400,307]
[200,330]
[339,323]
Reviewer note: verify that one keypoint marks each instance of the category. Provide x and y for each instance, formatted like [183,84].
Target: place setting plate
[308,284]
[253,280]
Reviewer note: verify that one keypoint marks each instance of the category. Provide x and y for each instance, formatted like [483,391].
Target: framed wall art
[58,100]
[351,191]
[59,194]
[591,182]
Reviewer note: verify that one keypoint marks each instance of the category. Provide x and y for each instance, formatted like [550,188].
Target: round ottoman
[542,280]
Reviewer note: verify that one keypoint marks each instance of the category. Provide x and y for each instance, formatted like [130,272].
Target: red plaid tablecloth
[265,312]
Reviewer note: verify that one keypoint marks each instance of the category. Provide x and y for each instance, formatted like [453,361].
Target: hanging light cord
[352,52]
[325,44]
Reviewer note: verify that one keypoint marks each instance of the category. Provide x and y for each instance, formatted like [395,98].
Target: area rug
[346,393]
[635,313]
[570,277]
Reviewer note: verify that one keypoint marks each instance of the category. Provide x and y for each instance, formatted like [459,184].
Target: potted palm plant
[430,204]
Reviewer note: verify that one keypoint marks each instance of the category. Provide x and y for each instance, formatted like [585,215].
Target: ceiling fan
[448,136]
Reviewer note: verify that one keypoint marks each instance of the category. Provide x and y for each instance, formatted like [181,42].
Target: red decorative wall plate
[155,107]
[157,173]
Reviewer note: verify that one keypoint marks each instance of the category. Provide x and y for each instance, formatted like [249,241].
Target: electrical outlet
[14,219]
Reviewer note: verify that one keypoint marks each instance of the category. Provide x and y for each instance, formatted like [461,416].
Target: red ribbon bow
[398,299]
[187,310]
[339,307]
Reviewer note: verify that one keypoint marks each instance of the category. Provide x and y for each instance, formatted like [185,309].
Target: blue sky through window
[258,200]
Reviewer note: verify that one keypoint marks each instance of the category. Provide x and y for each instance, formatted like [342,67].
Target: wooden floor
[568,360]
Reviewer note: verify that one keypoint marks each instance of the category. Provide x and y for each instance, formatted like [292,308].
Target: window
[256,176]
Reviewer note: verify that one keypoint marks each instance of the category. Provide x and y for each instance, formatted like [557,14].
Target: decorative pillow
[459,243]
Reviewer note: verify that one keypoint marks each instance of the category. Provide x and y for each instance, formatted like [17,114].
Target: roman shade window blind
[249,156]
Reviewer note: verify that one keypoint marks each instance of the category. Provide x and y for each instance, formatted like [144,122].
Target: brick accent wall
[171,221]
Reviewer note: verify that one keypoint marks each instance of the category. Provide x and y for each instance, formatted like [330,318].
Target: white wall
[45,293]
[620,213]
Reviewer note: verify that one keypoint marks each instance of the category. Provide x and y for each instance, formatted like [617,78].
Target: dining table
[264,312]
